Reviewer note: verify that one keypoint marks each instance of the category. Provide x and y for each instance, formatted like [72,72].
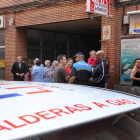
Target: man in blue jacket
[99,72]
[81,71]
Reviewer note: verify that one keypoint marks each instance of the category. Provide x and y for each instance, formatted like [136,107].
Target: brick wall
[109,46]
[5,3]
[52,13]
[15,45]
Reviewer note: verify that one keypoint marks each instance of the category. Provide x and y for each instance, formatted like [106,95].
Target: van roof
[29,109]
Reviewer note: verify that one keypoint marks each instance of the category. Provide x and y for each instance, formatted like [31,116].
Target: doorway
[49,40]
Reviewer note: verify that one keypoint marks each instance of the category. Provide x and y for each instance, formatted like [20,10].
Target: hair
[56,63]
[19,56]
[37,58]
[107,65]
[60,57]
[101,52]
[38,62]
[136,60]
[82,56]
[92,51]
[47,61]
[70,59]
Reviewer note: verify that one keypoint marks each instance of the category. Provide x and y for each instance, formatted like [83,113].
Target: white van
[52,111]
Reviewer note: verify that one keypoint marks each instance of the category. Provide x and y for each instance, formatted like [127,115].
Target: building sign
[98,6]
[134,27]
[107,32]
[2,64]
[2,22]
[130,50]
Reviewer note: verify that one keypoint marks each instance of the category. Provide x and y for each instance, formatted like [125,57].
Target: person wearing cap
[81,71]
[99,72]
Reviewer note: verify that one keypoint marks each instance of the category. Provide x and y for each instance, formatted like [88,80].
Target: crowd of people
[95,72]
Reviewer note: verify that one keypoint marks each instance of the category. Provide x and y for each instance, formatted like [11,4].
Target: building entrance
[48,41]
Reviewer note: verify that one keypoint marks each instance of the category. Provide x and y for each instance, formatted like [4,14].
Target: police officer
[81,71]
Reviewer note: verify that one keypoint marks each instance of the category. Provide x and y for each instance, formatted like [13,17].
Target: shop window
[48,40]
[33,37]
[61,41]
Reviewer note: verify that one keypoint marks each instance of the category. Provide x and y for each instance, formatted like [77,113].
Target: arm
[101,76]
[33,72]
[89,61]
[67,78]
[134,71]
[72,75]
[13,69]
[71,80]
[50,74]
[46,72]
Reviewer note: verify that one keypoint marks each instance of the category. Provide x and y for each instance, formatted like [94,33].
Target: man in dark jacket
[19,69]
[99,72]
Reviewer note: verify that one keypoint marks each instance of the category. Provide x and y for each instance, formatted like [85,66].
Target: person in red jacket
[68,66]
[92,61]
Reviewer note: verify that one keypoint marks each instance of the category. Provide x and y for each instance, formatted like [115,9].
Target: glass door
[2,62]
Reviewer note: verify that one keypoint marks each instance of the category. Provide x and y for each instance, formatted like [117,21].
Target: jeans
[136,90]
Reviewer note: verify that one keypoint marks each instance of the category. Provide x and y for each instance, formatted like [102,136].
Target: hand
[17,74]
[48,75]
[21,75]
[31,70]
[91,66]
[47,71]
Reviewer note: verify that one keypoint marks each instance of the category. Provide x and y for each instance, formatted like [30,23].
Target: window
[33,37]
[48,40]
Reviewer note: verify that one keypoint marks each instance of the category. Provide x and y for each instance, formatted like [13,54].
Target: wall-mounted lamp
[11,22]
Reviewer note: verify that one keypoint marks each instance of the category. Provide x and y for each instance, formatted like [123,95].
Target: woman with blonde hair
[48,72]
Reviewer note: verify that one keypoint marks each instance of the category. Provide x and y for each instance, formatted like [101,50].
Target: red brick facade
[16,35]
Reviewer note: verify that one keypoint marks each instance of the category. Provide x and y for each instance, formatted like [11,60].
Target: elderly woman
[38,72]
[48,74]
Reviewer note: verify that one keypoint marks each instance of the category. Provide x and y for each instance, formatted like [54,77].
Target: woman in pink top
[92,61]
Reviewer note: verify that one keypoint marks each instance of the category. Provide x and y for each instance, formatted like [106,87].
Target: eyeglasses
[98,55]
